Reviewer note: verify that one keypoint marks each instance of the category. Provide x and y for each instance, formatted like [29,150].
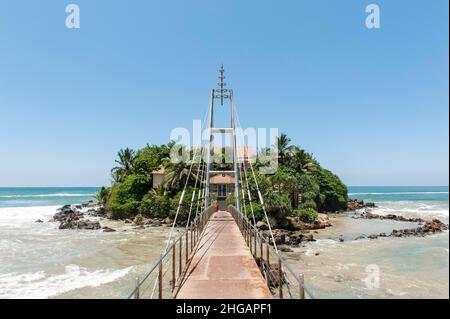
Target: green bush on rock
[126,196]
[307,215]
[155,206]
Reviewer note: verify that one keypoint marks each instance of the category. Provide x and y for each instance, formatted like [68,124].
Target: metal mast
[222,93]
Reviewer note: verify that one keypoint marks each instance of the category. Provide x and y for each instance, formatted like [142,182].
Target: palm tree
[103,195]
[176,174]
[301,160]
[282,144]
[125,161]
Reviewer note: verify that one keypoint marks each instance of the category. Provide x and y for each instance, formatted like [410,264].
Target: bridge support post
[160,278]
[187,247]
[254,243]
[173,266]
[280,279]
[302,287]
[192,238]
[181,256]
[136,294]
[261,249]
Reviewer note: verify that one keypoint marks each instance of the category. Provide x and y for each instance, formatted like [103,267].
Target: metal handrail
[196,228]
[199,223]
[299,279]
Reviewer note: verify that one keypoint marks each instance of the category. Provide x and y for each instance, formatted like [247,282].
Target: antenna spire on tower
[221,92]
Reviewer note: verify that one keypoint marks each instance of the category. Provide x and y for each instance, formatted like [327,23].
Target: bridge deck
[222,265]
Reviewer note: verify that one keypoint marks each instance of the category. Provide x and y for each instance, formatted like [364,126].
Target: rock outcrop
[322,221]
[71,218]
[369,215]
[425,229]
[287,237]
[354,204]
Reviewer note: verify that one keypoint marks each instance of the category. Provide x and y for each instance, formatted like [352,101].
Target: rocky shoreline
[425,228]
[296,234]
[76,217]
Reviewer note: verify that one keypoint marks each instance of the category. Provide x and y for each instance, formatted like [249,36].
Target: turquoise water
[412,267]
[37,260]
[399,193]
[410,201]
[44,196]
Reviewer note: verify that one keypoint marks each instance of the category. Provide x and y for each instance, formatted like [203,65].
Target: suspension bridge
[221,254]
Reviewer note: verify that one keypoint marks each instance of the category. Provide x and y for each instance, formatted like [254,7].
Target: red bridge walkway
[222,266]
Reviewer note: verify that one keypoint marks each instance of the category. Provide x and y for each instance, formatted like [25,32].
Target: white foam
[414,209]
[47,195]
[17,216]
[38,285]
[398,193]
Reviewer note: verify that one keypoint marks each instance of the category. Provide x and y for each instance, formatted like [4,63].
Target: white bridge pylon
[222,94]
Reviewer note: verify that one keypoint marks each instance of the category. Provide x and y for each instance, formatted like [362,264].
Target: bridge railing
[280,277]
[165,275]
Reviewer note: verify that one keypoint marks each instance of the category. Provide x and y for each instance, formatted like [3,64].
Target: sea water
[413,267]
[37,260]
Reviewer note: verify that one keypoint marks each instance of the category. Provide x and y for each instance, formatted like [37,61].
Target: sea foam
[39,285]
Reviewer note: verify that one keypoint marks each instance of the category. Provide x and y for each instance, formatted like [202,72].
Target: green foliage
[333,190]
[277,205]
[139,219]
[309,203]
[257,211]
[185,204]
[102,195]
[155,205]
[125,197]
[150,158]
[300,186]
[308,215]
[231,199]
[125,167]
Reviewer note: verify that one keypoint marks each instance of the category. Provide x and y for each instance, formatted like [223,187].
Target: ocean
[45,196]
[37,260]
[403,267]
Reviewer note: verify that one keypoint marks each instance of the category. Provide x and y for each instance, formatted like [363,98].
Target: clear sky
[371,104]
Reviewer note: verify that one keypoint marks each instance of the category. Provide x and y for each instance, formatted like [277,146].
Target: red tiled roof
[222,179]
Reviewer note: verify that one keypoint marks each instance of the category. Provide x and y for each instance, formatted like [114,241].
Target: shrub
[308,203]
[155,206]
[125,197]
[333,190]
[139,219]
[257,211]
[308,215]
[278,205]
[231,199]
[102,195]
[185,205]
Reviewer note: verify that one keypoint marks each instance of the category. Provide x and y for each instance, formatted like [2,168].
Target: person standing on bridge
[217,206]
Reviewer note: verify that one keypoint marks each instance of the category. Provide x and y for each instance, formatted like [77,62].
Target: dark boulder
[108,229]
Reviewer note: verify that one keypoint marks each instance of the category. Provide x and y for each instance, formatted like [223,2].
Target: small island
[299,197]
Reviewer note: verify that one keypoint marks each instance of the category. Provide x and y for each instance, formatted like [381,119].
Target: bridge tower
[220,94]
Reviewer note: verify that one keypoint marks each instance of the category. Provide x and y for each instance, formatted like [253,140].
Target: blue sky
[372,105]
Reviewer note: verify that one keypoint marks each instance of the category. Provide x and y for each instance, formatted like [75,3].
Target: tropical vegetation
[300,187]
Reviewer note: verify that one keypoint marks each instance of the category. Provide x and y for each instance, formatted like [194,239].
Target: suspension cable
[179,205]
[261,200]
